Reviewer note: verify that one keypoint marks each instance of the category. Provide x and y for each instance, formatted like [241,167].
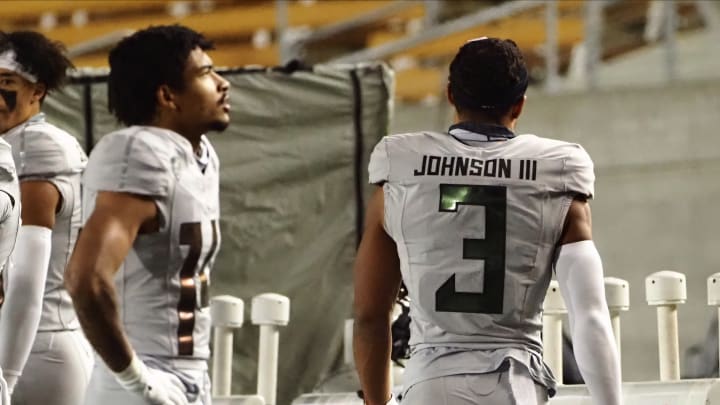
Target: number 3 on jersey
[491,249]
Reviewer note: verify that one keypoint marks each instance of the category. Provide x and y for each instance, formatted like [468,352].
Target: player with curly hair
[139,274]
[41,344]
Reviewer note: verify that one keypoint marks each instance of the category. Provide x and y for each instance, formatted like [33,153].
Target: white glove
[157,387]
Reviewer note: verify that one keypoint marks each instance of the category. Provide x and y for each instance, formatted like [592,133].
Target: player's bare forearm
[372,346]
[89,280]
[377,281]
[96,306]
[101,248]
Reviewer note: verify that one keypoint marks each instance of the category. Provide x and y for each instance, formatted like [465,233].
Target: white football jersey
[42,151]
[476,219]
[162,285]
[9,215]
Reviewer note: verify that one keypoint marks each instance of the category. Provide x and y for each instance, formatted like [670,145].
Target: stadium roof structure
[416,37]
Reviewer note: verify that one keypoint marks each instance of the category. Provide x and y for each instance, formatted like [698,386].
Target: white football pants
[57,371]
[511,386]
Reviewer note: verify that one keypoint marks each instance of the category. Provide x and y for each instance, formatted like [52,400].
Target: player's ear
[39,91]
[449,96]
[517,108]
[165,97]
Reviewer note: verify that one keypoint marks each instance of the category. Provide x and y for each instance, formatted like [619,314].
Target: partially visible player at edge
[474,220]
[9,187]
[140,270]
[38,313]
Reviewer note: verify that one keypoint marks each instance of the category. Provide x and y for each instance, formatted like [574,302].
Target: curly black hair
[39,55]
[144,61]
[487,75]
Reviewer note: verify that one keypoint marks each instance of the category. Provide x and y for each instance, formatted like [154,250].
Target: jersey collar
[473,132]
[203,156]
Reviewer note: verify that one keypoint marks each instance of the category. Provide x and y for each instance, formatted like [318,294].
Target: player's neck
[484,119]
[191,135]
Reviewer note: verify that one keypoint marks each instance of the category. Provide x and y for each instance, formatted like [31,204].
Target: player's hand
[157,387]
[163,388]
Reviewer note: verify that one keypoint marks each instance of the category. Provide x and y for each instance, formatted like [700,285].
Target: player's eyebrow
[7,74]
[205,68]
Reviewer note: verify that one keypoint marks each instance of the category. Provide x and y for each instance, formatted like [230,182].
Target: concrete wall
[657,157]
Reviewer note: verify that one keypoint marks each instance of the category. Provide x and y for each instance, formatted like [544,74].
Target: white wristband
[135,375]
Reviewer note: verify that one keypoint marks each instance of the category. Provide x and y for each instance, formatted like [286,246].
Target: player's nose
[223,84]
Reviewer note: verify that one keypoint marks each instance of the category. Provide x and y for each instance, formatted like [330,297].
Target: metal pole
[226,313]
[552,344]
[670,43]
[460,24]
[668,345]
[709,13]
[358,21]
[615,321]
[432,12]
[269,311]
[551,46]
[593,40]
[348,342]
[281,25]
[268,362]
[222,361]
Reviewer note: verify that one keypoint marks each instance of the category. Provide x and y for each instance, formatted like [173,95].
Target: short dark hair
[488,75]
[41,57]
[144,61]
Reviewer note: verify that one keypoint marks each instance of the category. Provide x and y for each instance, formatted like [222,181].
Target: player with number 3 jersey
[473,221]
[141,268]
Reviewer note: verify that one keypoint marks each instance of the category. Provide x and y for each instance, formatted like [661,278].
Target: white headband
[476,39]
[7,61]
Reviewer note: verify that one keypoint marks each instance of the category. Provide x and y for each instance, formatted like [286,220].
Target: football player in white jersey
[473,221]
[9,221]
[41,344]
[9,213]
[140,270]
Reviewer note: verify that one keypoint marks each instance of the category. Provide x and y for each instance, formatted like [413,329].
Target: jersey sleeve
[379,166]
[579,172]
[44,154]
[8,175]
[128,163]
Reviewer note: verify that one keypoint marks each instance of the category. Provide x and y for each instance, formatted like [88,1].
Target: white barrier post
[553,312]
[665,290]
[617,294]
[226,314]
[269,311]
[348,342]
[713,293]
